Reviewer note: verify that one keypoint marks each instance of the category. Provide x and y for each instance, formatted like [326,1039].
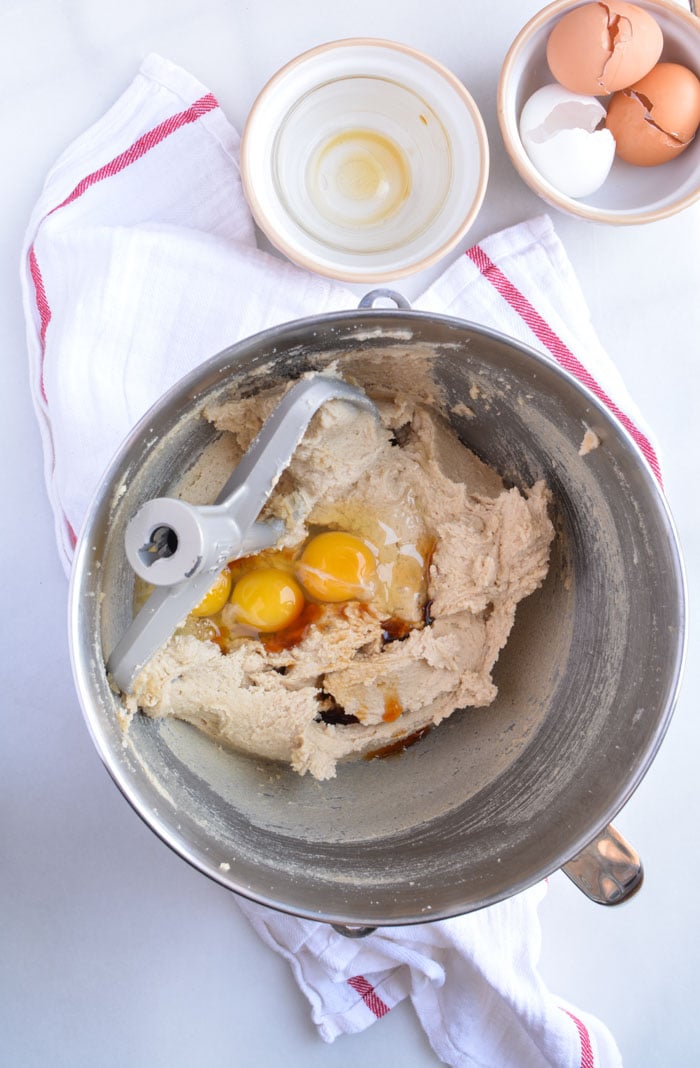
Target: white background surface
[113,951]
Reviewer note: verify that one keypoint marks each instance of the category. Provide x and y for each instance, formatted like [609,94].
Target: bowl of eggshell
[599,107]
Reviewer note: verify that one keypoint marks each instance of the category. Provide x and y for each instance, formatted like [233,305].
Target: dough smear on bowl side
[451,553]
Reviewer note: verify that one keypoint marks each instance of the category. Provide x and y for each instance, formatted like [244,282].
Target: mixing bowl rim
[394,320]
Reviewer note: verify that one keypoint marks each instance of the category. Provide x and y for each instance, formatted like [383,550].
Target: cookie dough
[455,552]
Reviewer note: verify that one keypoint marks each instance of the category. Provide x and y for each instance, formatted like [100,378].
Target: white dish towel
[140,262]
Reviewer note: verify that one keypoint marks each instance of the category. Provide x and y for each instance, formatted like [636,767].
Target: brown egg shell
[599,48]
[673,92]
[655,119]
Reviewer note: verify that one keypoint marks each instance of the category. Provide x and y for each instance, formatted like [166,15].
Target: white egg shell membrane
[558,131]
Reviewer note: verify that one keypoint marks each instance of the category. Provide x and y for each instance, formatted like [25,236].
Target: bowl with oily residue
[494,798]
[364,160]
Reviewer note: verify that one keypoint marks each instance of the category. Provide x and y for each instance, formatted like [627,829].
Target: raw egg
[599,48]
[561,135]
[336,566]
[217,597]
[655,119]
[267,599]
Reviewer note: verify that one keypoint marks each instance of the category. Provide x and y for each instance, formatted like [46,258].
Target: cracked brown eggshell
[599,48]
[655,119]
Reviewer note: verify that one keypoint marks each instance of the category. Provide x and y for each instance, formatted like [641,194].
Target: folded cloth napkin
[140,262]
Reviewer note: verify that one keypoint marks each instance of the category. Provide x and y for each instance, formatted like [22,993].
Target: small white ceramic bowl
[364,160]
[630,194]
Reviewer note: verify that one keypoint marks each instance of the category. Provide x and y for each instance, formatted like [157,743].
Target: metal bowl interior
[493,799]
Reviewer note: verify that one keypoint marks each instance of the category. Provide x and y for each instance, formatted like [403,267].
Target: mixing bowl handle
[369,299]
[608,870]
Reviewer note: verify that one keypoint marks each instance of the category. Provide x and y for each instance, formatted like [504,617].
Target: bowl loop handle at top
[607,870]
[369,299]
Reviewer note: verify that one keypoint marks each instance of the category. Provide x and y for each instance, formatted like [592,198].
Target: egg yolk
[217,597]
[267,599]
[337,567]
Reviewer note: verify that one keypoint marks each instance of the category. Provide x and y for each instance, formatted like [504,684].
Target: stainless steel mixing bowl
[495,798]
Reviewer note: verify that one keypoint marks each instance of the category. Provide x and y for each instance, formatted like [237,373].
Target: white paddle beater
[180,548]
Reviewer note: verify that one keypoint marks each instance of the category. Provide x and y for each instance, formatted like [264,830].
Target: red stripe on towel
[368,995]
[43,309]
[561,353]
[135,151]
[143,145]
[587,1058]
